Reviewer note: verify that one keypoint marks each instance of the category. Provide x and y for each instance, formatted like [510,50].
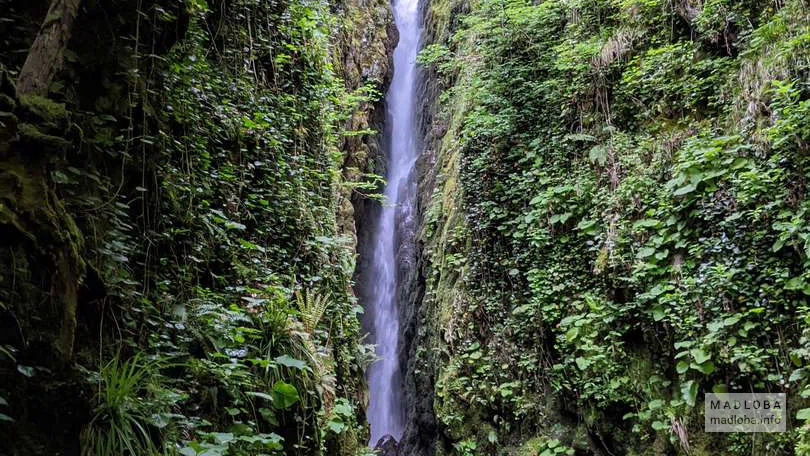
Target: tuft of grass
[120,421]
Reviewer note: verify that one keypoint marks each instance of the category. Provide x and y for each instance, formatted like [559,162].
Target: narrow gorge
[393,238]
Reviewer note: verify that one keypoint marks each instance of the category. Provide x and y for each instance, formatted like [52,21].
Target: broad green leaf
[284,395]
[660,425]
[222,437]
[797,375]
[645,252]
[699,355]
[796,283]
[689,392]
[587,226]
[688,188]
[720,388]
[286,360]
[732,320]
[705,368]
[645,223]
[525,308]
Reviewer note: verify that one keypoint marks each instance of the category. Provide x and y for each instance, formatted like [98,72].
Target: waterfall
[393,238]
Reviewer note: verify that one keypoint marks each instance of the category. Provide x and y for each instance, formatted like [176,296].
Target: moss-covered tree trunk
[45,58]
[33,210]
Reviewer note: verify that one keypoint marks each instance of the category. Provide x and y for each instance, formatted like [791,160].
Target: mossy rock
[52,113]
[29,134]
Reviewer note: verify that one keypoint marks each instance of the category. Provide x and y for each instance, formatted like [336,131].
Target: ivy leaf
[803,414]
[645,252]
[524,309]
[732,320]
[222,437]
[336,426]
[682,367]
[699,355]
[343,407]
[655,404]
[658,313]
[660,425]
[582,363]
[587,226]
[797,375]
[560,218]
[796,283]
[705,368]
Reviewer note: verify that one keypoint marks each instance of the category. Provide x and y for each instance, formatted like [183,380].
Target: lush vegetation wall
[615,222]
[177,228]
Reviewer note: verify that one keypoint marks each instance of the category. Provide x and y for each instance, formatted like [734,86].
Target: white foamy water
[386,412]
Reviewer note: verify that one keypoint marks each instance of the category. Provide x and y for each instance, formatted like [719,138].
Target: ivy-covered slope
[177,243]
[615,222]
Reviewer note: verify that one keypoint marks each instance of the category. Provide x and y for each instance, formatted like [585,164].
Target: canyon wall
[611,195]
[179,198]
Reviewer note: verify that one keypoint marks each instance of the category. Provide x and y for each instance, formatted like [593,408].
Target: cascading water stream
[385,412]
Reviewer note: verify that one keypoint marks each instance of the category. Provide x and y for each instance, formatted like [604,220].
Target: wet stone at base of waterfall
[387,445]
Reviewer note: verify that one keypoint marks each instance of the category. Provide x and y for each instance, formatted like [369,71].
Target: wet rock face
[420,336]
[364,45]
[363,54]
[387,445]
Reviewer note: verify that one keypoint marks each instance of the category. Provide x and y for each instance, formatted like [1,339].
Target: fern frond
[312,307]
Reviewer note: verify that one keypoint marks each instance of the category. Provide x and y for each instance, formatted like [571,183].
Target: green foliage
[632,228]
[312,307]
[205,173]
[120,423]
[544,447]
[231,444]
